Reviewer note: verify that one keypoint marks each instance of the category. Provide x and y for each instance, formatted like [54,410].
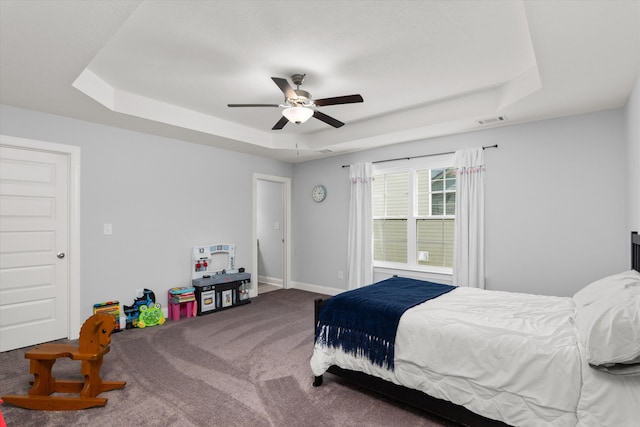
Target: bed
[492,358]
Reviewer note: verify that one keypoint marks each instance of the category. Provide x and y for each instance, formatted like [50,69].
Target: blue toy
[132,312]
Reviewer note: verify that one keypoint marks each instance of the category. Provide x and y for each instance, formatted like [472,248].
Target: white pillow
[609,329]
[626,283]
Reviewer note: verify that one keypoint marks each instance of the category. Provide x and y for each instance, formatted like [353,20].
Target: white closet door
[34,235]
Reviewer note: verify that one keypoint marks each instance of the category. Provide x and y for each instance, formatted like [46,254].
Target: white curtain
[359,247]
[468,249]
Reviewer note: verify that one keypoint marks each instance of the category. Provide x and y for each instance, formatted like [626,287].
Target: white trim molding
[286,271]
[325,290]
[270,280]
[74,321]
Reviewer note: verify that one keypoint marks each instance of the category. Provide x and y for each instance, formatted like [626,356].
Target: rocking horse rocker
[95,337]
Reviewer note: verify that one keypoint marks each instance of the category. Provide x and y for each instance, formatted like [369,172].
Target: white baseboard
[317,289]
[270,280]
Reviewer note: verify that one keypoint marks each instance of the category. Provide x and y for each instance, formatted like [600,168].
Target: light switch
[276,226]
[108,229]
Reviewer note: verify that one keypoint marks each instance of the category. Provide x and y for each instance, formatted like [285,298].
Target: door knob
[60,255]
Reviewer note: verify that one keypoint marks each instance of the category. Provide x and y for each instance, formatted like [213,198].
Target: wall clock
[319,193]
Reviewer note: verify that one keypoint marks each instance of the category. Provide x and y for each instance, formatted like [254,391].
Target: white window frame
[442,161]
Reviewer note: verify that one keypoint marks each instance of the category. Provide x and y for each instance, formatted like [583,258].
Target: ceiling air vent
[325,151]
[492,120]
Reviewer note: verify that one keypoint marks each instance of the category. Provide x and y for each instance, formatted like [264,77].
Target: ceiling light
[297,115]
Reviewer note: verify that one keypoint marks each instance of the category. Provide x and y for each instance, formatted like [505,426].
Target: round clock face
[319,193]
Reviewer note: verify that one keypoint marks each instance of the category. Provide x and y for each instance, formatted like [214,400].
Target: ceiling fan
[299,106]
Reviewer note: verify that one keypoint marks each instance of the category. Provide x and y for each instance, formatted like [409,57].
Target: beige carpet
[245,366]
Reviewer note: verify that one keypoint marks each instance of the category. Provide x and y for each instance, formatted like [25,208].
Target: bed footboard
[317,305]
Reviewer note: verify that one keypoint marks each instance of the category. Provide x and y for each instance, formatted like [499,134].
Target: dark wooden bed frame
[420,400]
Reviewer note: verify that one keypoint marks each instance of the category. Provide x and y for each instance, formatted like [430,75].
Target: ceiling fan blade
[284,86]
[327,119]
[348,99]
[283,121]
[253,105]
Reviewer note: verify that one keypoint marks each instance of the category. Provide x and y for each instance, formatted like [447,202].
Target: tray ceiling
[424,68]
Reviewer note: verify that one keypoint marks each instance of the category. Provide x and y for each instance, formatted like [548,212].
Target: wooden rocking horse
[95,337]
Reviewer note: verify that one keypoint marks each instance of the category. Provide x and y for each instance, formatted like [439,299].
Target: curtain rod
[424,155]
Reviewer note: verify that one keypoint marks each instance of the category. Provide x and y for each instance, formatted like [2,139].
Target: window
[414,215]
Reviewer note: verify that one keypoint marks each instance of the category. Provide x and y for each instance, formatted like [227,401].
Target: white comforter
[507,356]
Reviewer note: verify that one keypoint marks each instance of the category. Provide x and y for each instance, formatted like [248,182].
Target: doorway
[271,231]
[40,258]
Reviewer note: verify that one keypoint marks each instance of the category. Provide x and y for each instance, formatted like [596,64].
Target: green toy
[150,315]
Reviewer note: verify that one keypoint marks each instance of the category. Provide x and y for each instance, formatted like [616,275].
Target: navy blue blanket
[364,321]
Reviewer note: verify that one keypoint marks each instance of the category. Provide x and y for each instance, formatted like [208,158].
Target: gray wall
[270,200]
[555,204]
[162,196]
[557,211]
[632,129]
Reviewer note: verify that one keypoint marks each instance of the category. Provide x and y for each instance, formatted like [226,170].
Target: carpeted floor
[263,288]
[246,366]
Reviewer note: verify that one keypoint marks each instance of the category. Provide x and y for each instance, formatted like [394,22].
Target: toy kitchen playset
[218,284]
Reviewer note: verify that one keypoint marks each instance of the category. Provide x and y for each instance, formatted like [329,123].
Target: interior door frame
[286,209]
[74,321]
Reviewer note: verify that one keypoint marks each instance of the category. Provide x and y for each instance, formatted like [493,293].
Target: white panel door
[34,266]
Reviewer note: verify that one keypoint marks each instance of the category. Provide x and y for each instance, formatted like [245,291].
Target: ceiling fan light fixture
[297,115]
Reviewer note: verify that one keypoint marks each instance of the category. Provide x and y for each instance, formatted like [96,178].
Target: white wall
[557,215]
[162,196]
[555,204]
[632,129]
[319,248]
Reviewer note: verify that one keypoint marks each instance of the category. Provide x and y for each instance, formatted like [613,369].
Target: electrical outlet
[340,275]
[108,229]
[139,293]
